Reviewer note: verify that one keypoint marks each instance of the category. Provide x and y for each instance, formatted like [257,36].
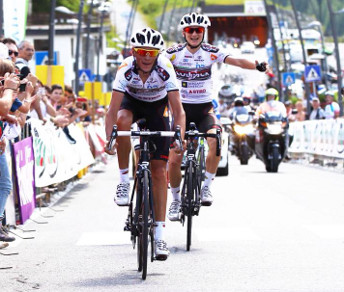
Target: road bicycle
[140,221]
[194,174]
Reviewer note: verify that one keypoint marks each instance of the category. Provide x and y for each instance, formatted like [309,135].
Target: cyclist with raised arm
[144,87]
[192,62]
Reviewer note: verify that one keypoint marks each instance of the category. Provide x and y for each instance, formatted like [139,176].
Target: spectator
[26,51]
[317,112]
[332,108]
[12,48]
[8,91]
[301,115]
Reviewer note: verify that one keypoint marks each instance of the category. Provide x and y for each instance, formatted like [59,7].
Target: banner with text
[57,158]
[321,137]
[24,165]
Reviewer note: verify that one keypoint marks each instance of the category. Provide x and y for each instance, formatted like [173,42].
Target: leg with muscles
[175,175]
[158,168]
[5,190]
[211,166]
[124,121]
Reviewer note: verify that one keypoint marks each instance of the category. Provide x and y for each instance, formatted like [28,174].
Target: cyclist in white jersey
[144,87]
[192,62]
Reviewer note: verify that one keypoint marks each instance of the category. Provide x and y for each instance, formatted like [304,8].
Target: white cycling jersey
[161,80]
[194,71]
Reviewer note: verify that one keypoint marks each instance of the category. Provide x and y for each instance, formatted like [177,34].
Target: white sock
[124,175]
[176,193]
[159,230]
[209,177]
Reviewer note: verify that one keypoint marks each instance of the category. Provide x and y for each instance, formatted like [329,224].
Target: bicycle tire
[145,214]
[139,226]
[190,202]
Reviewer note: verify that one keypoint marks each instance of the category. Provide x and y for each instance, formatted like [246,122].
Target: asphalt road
[264,232]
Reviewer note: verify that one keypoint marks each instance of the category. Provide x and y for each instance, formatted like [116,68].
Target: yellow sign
[50,76]
[93,88]
[106,99]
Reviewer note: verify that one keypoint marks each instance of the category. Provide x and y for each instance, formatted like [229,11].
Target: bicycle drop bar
[115,133]
[195,133]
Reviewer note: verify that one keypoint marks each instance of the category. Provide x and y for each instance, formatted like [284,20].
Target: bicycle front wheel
[142,244]
[145,214]
[190,204]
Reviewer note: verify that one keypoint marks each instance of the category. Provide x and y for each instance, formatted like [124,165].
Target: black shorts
[156,115]
[202,115]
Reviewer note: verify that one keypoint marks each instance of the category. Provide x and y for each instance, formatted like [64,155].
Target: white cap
[3,51]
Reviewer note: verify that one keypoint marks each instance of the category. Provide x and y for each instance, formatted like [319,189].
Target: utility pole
[339,70]
[171,19]
[89,16]
[51,33]
[1,18]
[163,16]
[304,56]
[268,17]
[77,50]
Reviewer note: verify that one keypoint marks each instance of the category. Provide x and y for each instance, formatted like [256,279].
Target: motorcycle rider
[192,62]
[271,103]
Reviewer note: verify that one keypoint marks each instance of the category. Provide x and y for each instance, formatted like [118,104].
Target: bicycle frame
[140,220]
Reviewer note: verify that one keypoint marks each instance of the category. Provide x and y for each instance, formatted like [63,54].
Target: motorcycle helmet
[147,37]
[194,19]
[271,91]
[226,92]
[238,101]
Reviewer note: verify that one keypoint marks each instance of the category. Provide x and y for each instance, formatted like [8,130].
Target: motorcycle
[241,128]
[271,140]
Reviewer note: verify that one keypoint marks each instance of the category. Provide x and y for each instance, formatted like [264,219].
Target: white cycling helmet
[194,19]
[147,37]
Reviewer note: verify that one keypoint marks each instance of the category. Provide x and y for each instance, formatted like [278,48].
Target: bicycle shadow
[127,278]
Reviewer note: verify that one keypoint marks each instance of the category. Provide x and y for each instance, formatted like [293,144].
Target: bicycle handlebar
[195,133]
[115,133]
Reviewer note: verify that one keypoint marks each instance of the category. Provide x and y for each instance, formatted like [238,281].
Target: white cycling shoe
[122,194]
[174,210]
[161,250]
[206,197]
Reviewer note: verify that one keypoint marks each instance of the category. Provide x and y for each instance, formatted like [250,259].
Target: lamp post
[303,54]
[335,39]
[77,50]
[89,16]
[273,41]
[51,33]
[103,9]
[325,67]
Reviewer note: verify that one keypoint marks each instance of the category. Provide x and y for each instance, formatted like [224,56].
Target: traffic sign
[85,75]
[42,58]
[312,73]
[288,78]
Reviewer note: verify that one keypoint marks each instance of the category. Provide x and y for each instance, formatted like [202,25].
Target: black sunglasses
[10,52]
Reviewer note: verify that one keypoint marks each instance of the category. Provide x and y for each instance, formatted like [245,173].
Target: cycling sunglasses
[10,52]
[145,52]
[191,30]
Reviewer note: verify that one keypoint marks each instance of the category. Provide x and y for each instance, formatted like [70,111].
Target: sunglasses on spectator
[10,52]
[145,52]
[191,30]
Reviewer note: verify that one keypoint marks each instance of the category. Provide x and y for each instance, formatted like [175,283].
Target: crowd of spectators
[24,97]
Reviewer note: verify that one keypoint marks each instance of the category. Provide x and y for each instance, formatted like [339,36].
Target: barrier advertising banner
[24,165]
[58,158]
[321,137]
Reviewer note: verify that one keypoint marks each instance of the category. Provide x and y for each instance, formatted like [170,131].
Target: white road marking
[104,238]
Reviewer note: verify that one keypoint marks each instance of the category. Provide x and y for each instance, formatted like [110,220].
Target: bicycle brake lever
[178,139]
[113,137]
[218,142]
